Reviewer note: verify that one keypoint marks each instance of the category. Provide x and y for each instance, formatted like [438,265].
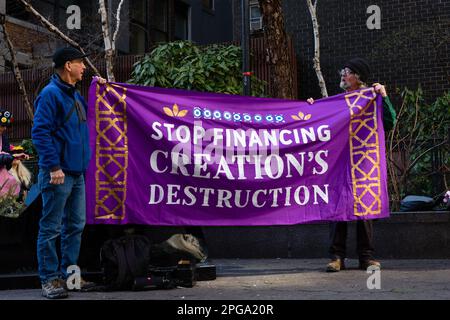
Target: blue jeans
[63,214]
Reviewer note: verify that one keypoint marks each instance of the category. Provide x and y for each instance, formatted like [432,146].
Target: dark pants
[364,240]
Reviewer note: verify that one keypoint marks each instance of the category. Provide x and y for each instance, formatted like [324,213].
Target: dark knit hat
[359,66]
[62,55]
[6,118]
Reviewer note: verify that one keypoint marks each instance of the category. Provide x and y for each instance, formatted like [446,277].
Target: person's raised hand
[21,156]
[379,88]
[100,80]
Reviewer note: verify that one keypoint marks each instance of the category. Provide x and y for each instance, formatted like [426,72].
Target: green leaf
[182,64]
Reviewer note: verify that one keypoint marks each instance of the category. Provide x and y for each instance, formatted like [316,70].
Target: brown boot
[335,265]
[85,286]
[363,265]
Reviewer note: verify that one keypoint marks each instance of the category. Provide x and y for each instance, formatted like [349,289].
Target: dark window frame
[154,29]
[254,4]
[180,5]
[142,25]
[209,7]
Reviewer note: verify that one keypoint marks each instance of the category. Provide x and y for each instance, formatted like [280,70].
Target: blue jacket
[60,145]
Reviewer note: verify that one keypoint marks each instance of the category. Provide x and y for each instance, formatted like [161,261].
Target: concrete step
[411,235]
[31,280]
[406,235]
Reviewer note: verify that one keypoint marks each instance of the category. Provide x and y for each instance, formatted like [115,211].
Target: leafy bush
[184,65]
[418,148]
[10,207]
[29,148]
[437,122]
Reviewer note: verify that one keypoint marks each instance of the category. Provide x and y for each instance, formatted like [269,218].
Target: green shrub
[184,65]
[418,148]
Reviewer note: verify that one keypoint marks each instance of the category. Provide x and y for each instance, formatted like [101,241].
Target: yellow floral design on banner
[301,116]
[175,112]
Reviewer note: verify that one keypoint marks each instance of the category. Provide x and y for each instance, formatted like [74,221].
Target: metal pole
[245,30]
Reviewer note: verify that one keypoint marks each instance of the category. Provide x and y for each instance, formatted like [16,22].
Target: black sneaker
[54,290]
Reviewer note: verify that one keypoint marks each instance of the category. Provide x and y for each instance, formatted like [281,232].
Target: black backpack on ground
[123,260]
[133,263]
[417,203]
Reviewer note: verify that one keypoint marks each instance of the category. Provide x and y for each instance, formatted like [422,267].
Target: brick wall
[24,39]
[411,47]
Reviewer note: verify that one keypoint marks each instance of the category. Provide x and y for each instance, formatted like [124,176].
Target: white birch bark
[109,53]
[109,40]
[312,10]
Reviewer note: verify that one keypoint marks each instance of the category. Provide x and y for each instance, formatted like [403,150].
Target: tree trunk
[277,44]
[312,10]
[109,50]
[17,74]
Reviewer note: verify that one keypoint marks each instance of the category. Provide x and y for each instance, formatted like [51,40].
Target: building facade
[143,24]
[410,47]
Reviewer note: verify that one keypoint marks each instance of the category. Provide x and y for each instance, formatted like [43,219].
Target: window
[138,11]
[138,36]
[160,27]
[52,10]
[138,27]
[16,10]
[208,4]
[255,16]
[181,21]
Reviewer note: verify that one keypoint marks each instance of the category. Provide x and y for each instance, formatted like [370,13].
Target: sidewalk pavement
[293,279]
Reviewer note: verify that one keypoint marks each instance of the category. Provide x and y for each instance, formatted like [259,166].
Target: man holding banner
[60,134]
[353,77]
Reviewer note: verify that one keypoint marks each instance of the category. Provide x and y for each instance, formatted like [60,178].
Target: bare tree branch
[17,73]
[119,8]
[411,166]
[52,28]
[316,60]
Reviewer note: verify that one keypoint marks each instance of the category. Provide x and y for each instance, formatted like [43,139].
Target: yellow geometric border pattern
[363,152]
[109,186]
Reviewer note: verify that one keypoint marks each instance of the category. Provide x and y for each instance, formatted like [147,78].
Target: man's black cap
[359,66]
[62,55]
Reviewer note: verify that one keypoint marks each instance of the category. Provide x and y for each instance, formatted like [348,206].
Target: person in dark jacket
[60,135]
[354,76]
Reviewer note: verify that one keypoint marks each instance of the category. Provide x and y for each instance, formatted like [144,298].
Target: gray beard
[344,85]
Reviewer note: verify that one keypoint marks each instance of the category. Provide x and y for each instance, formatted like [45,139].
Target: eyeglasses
[345,72]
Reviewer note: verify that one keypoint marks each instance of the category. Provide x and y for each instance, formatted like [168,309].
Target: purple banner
[175,157]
